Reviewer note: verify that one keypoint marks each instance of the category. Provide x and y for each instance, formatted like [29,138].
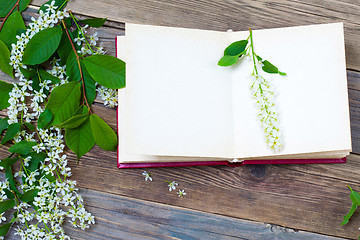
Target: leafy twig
[6,17]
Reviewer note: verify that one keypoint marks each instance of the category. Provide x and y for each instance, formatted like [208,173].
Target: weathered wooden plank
[308,197]
[237,15]
[120,217]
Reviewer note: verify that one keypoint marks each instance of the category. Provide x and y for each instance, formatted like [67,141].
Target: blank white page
[312,99]
[179,102]
[121,123]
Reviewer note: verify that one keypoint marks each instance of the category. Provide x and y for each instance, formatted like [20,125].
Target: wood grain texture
[237,15]
[120,217]
[306,197]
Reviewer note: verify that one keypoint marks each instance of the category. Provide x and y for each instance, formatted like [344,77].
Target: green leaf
[44,118]
[355,197]
[80,140]
[23,147]
[30,126]
[103,134]
[28,73]
[6,205]
[269,68]
[348,216]
[4,124]
[82,110]
[61,4]
[228,60]
[4,229]
[36,159]
[72,68]
[12,130]
[63,102]
[36,83]
[7,5]
[29,195]
[5,89]
[106,70]
[8,161]
[74,121]
[259,58]
[236,48]
[94,22]
[50,177]
[12,25]
[48,76]
[10,177]
[42,46]
[90,87]
[65,48]
[73,71]
[5,60]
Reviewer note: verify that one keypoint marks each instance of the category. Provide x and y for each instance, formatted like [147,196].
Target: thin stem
[65,2]
[77,25]
[78,62]
[252,51]
[16,4]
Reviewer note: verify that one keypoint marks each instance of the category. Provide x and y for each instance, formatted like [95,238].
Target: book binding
[231,164]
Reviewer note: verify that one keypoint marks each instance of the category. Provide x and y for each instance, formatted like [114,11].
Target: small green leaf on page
[236,48]
[228,60]
[269,68]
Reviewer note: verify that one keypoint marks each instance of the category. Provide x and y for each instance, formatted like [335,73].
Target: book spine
[237,164]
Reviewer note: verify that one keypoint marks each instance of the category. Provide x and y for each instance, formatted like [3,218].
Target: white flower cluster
[57,196]
[268,114]
[110,96]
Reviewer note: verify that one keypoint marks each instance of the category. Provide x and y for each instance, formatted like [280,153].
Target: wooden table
[250,202]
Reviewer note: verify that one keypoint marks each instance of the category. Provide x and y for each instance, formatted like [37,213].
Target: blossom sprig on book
[261,89]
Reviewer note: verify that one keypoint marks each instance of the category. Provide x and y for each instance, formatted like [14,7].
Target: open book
[180,106]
